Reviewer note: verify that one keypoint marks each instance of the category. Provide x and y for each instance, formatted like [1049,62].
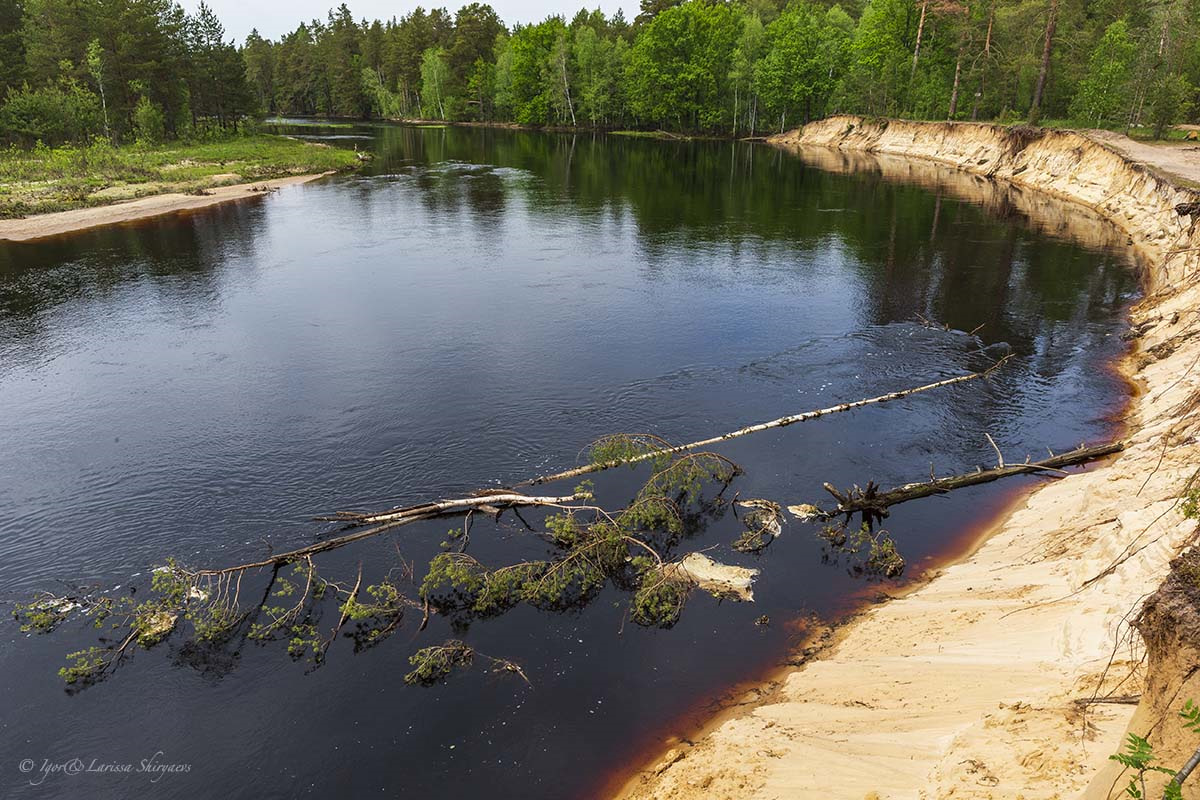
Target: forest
[145,70]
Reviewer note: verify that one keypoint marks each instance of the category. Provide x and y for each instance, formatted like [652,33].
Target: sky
[273,18]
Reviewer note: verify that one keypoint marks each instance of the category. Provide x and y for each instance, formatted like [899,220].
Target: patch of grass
[1147,134]
[1141,133]
[307,123]
[45,179]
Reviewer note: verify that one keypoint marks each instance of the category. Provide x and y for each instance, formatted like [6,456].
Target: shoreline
[815,642]
[59,223]
[966,684]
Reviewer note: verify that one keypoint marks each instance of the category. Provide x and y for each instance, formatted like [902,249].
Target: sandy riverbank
[40,226]
[966,687]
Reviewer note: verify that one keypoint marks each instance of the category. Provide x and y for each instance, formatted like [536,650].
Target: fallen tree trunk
[397,517]
[782,422]
[494,499]
[873,503]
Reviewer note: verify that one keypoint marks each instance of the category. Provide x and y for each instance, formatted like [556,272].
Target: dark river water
[470,310]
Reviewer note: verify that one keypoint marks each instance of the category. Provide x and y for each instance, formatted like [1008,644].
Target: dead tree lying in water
[283,596]
[872,549]
[621,459]
[873,504]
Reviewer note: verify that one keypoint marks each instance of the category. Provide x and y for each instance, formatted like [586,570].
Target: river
[472,309]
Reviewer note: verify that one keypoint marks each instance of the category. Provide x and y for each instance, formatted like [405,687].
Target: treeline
[71,70]
[144,69]
[741,67]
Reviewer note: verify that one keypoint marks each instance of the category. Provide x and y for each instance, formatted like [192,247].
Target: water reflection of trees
[960,250]
[178,260]
[944,245]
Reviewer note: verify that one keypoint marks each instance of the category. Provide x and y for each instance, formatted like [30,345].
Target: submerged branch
[781,422]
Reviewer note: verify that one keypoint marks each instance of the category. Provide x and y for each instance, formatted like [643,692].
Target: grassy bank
[44,179]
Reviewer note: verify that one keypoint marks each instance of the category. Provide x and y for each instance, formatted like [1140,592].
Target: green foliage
[1190,714]
[213,622]
[1170,101]
[600,63]
[592,548]
[54,179]
[1190,503]
[385,601]
[130,49]
[12,45]
[95,67]
[690,66]
[453,581]
[873,552]
[883,558]
[340,51]
[803,53]
[622,447]
[746,57]
[168,583]
[1138,756]
[153,626]
[435,77]
[85,666]
[658,601]
[469,57]
[881,56]
[45,614]
[54,114]
[149,124]
[305,642]
[385,102]
[1103,94]
[434,664]
[680,482]
[526,77]
[678,69]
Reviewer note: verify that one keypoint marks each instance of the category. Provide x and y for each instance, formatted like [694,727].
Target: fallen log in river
[587,548]
[874,504]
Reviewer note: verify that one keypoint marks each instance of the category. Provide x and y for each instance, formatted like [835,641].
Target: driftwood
[494,500]
[211,599]
[782,422]
[1119,699]
[395,518]
[872,503]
